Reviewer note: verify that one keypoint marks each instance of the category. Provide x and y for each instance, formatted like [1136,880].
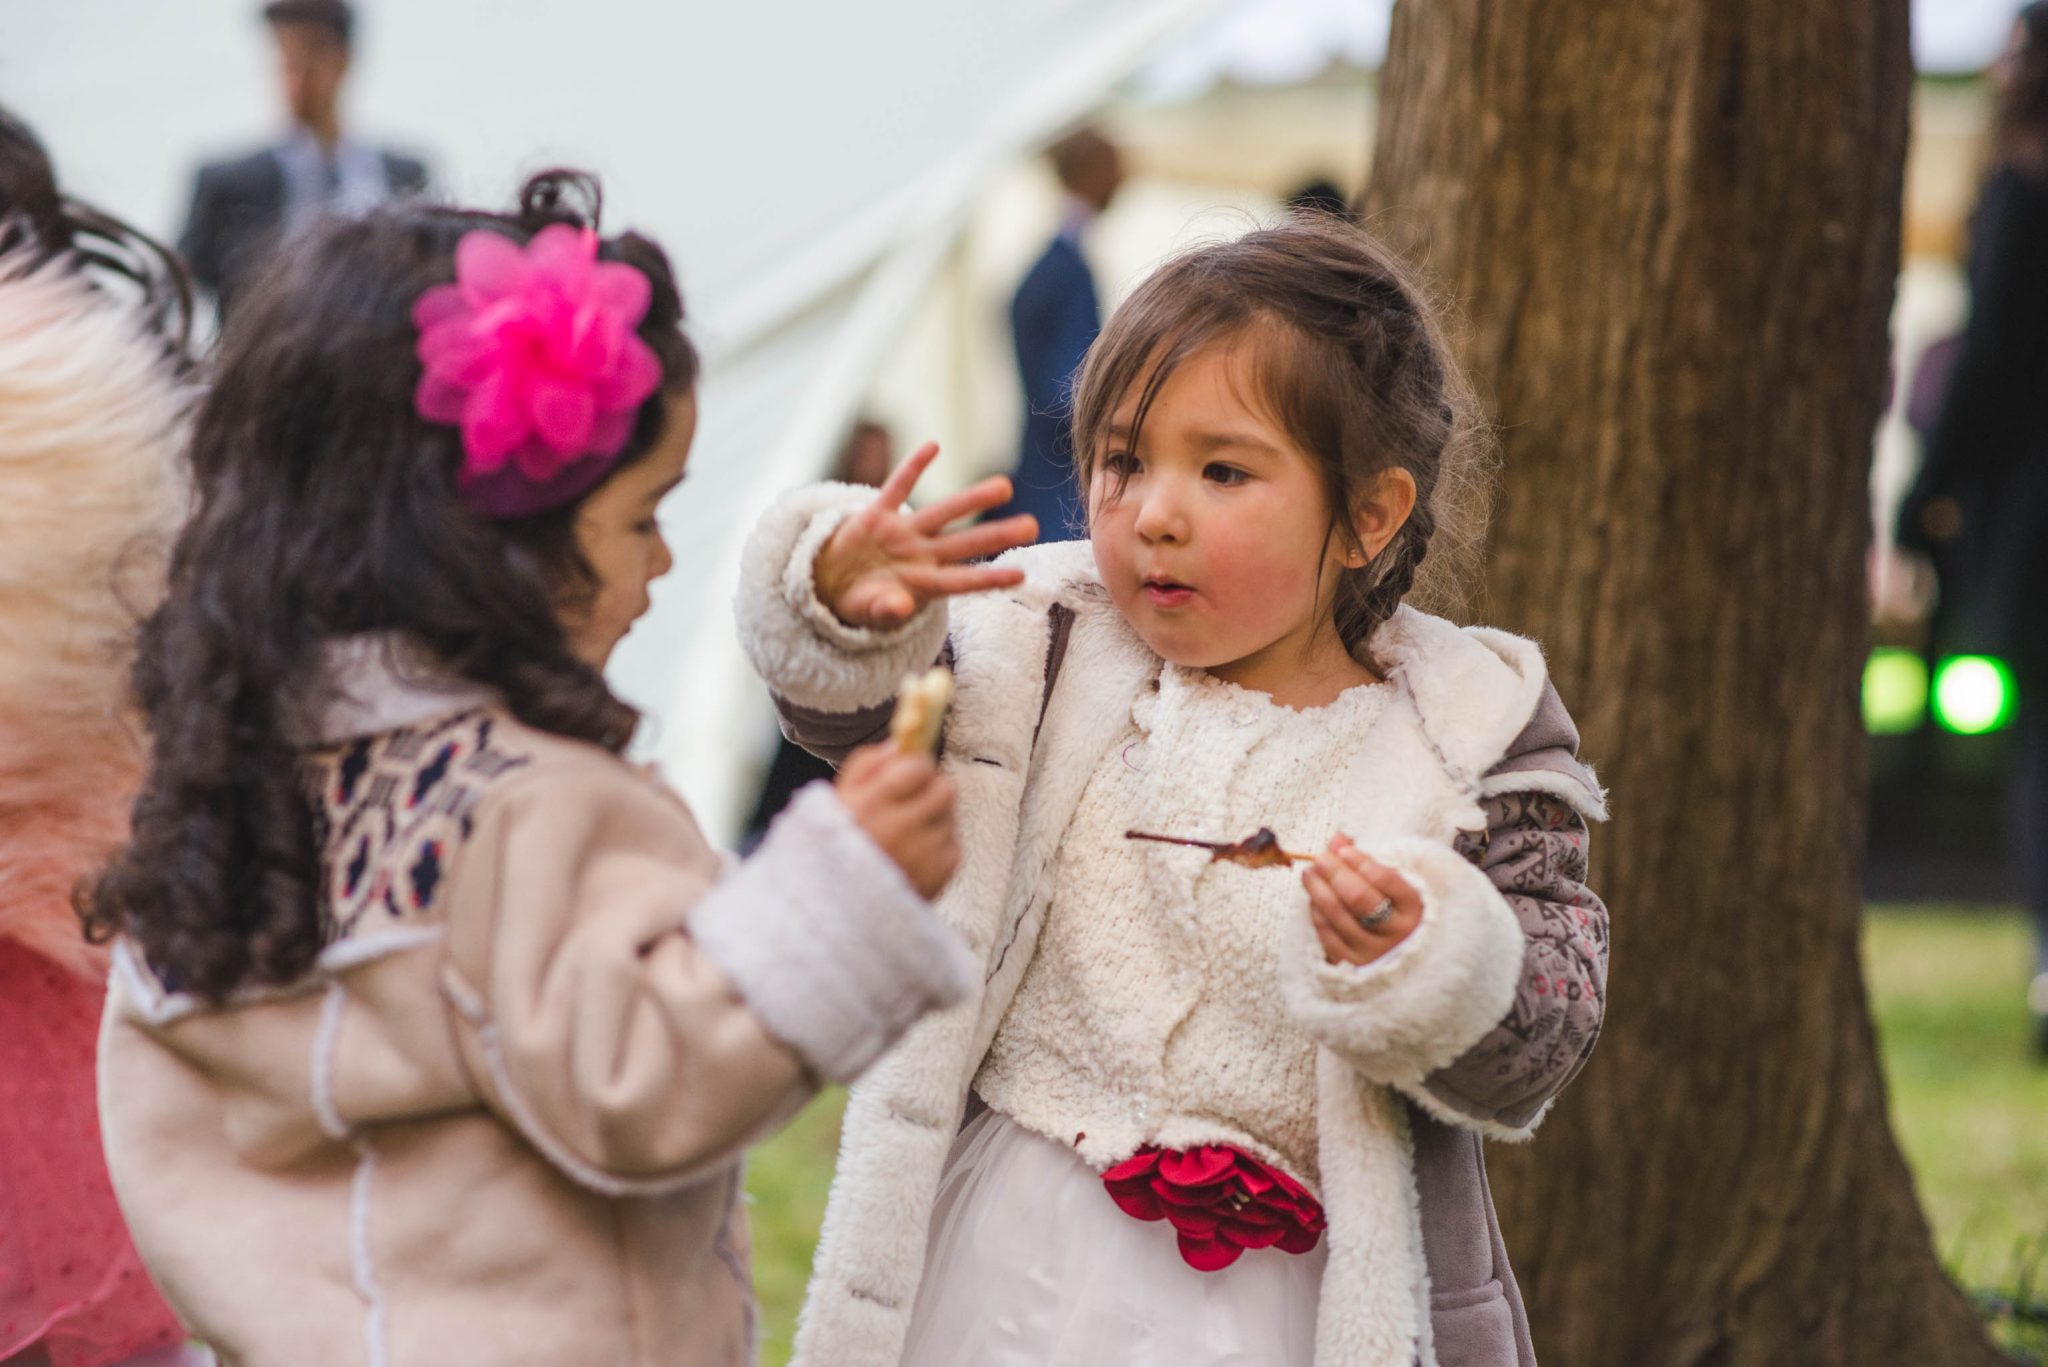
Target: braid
[1367,597]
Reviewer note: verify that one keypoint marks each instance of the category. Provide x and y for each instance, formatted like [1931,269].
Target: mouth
[1162,592]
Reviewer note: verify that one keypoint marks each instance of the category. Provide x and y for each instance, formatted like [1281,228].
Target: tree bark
[1672,228]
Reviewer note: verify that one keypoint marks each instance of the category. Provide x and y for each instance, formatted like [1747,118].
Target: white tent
[807,165]
[810,166]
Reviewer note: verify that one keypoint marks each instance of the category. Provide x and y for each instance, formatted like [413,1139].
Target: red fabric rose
[1219,1201]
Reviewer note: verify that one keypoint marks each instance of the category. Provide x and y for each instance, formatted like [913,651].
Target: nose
[663,561]
[1160,515]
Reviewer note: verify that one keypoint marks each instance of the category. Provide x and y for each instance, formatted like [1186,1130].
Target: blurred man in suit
[1053,319]
[242,206]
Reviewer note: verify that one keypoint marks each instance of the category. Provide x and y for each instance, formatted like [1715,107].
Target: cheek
[1109,533]
[1261,567]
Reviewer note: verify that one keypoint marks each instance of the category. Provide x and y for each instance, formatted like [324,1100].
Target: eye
[646,526]
[1122,464]
[1227,475]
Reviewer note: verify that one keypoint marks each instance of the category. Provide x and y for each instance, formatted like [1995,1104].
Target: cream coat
[501,1122]
[1021,758]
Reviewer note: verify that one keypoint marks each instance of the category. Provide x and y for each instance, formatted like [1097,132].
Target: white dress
[1030,1263]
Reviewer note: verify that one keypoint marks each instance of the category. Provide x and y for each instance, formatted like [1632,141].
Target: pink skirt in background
[1031,1264]
[72,1290]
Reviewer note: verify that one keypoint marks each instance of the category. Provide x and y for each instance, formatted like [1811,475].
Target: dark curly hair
[1351,359]
[326,506]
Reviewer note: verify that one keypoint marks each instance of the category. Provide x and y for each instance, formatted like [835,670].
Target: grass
[786,1182]
[1969,1104]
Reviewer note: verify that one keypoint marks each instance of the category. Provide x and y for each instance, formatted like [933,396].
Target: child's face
[1219,549]
[621,541]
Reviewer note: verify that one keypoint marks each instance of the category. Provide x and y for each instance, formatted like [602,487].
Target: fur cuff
[825,939]
[807,655]
[1403,1017]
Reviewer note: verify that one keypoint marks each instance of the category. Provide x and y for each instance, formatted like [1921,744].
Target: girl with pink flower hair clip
[430,1016]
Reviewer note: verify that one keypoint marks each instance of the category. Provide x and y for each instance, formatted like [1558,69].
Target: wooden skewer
[1220,848]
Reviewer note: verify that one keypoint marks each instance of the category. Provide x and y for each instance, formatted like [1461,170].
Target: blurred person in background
[1053,319]
[92,408]
[1979,507]
[865,459]
[242,205]
[1320,196]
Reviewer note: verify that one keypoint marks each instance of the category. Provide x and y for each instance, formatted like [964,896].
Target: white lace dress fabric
[1032,1265]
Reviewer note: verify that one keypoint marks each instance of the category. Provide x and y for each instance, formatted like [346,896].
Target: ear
[1379,513]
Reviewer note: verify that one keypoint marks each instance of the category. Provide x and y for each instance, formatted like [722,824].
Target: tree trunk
[1673,229]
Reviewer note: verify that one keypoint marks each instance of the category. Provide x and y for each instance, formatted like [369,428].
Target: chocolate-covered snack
[1259,850]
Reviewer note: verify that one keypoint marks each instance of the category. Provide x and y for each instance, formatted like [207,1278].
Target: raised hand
[886,562]
[1359,906]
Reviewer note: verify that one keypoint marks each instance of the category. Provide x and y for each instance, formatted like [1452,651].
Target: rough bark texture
[1672,227]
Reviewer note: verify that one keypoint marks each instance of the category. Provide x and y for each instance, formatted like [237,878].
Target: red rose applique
[1219,1201]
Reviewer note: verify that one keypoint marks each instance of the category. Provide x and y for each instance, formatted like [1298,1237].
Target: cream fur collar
[380,681]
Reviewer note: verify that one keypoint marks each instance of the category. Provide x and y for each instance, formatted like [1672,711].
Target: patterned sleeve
[1534,849]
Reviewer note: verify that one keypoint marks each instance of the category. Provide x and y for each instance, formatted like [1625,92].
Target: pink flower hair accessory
[534,354]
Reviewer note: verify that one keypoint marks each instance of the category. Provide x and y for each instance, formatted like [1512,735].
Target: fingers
[929,857]
[904,477]
[881,604]
[1384,883]
[1363,882]
[1346,886]
[991,538]
[1360,896]
[860,766]
[1343,938]
[992,492]
[895,776]
[905,805]
[944,581]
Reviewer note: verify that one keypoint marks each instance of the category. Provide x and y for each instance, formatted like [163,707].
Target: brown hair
[1351,360]
[327,507]
[332,17]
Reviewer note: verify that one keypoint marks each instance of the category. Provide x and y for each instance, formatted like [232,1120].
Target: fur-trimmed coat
[500,1120]
[1470,787]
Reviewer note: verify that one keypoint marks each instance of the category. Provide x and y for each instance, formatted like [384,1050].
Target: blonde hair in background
[91,419]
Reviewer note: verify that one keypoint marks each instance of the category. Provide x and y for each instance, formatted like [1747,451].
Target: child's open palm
[886,562]
[1359,906]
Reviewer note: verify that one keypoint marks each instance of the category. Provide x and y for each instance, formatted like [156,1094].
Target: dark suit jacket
[238,207]
[1988,449]
[1053,319]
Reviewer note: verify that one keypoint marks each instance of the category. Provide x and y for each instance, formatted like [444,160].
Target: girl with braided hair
[1203,1112]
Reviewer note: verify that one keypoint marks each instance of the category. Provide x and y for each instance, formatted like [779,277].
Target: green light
[1894,692]
[1973,694]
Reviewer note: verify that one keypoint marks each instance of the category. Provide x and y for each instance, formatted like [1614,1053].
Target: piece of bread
[921,711]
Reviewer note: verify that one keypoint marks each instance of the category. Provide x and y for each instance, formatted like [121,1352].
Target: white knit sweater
[1151,1013]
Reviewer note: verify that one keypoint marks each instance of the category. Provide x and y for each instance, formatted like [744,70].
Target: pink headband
[533,354]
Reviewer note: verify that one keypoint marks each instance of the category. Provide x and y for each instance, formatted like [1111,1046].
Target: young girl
[436,1030]
[1215,1114]
[91,404]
